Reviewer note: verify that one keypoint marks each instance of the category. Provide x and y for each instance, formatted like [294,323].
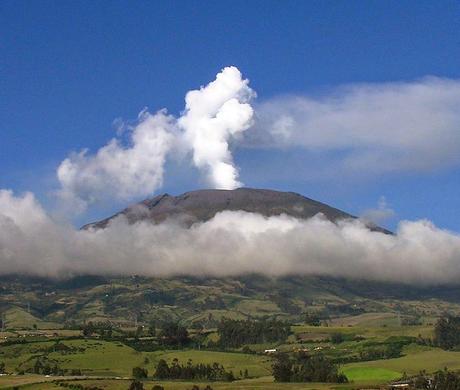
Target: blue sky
[69,69]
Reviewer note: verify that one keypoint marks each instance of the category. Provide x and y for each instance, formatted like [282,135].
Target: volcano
[202,205]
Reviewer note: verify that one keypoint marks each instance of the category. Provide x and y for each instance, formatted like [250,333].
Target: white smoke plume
[230,244]
[213,116]
[380,214]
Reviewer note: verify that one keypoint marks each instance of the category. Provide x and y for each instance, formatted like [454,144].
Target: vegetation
[140,373]
[235,333]
[210,372]
[447,332]
[176,330]
[173,334]
[306,368]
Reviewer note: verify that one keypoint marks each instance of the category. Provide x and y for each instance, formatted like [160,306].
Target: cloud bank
[213,116]
[371,129]
[230,244]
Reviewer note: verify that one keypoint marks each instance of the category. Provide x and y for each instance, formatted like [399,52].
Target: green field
[368,316]
[431,360]
[113,359]
[370,374]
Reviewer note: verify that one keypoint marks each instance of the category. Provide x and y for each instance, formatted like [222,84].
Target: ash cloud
[230,244]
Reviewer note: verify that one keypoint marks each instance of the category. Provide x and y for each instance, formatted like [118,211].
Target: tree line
[189,371]
[303,367]
[235,333]
[447,332]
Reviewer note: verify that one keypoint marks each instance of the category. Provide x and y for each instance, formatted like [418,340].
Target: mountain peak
[202,205]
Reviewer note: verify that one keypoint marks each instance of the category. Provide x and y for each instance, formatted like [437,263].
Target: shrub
[140,373]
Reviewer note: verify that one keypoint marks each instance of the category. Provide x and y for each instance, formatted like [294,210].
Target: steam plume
[213,115]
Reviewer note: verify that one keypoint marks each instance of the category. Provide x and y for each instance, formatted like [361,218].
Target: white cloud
[213,116]
[117,171]
[230,244]
[369,128]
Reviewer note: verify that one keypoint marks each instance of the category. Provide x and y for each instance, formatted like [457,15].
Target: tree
[235,333]
[136,385]
[2,367]
[306,368]
[312,319]
[189,371]
[162,370]
[140,373]
[152,329]
[447,332]
[337,338]
[88,329]
[172,333]
[281,369]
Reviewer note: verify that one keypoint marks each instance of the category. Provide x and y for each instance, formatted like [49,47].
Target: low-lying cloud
[230,244]
[362,129]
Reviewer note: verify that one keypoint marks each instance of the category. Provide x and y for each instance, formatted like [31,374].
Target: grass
[368,320]
[431,360]
[99,358]
[257,307]
[372,375]
[251,384]
[18,318]
[256,365]
[378,333]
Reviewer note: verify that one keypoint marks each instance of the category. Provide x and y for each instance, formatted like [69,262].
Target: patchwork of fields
[108,364]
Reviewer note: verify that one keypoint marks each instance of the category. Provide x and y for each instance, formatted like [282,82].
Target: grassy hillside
[26,302]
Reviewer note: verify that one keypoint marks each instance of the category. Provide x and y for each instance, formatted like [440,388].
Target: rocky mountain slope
[202,205]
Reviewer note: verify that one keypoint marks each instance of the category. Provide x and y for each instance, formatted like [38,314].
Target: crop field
[430,359]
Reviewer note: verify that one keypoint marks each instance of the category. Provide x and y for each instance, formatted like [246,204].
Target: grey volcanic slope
[202,205]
